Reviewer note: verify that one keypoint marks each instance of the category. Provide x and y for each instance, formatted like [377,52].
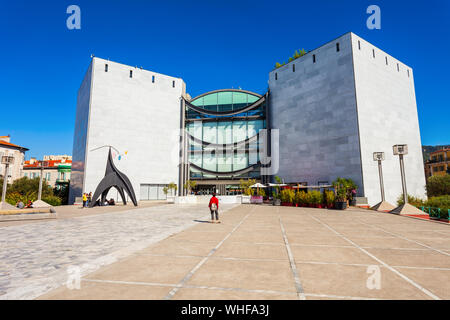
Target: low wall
[204,199]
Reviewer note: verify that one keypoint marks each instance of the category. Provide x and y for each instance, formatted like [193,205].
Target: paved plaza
[258,252]
[36,256]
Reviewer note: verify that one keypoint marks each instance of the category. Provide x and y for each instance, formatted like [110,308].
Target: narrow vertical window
[359,45]
[314,58]
[386,61]
[131,73]
[337,47]
[398,68]
[373,52]
[276,76]
[153,79]
[106,67]
[407,72]
[173,84]
[293,67]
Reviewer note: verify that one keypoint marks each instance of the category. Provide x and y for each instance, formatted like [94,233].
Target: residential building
[18,152]
[56,172]
[439,163]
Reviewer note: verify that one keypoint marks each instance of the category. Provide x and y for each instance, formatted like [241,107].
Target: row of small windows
[386,59]
[131,75]
[337,50]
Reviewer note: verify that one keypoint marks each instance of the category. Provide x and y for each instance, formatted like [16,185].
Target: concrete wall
[136,116]
[387,115]
[314,109]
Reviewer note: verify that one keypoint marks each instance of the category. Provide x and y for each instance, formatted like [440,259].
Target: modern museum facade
[323,116]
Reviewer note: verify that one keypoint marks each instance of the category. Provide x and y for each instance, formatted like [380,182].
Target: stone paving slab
[35,258]
[266,252]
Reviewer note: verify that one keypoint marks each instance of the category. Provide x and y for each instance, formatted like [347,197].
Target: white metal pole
[402,171]
[40,182]
[380,172]
[5,182]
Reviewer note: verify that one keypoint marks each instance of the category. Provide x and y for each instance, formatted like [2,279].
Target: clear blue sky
[211,44]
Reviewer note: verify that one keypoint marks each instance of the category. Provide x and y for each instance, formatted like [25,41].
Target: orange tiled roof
[51,163]
[441,150]
[8,144]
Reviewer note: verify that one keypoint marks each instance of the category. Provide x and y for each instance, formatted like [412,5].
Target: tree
[245,186]
[189,185]
[438,186]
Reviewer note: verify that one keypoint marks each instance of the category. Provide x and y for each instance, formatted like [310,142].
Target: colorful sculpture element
[113,178]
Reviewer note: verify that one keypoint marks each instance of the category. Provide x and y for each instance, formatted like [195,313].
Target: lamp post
[400,150]
[6,160]
[382,205]
[41,178]
[379,156]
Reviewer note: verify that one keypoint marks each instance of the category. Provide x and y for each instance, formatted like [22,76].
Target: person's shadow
[202,221]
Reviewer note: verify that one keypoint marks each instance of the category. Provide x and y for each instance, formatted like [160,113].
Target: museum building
[331,109]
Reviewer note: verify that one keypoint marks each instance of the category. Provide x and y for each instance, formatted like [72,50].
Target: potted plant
[287,197]
[329,198]
[276,200]
[341,188]
[316,199]
[300,198]
[306,199]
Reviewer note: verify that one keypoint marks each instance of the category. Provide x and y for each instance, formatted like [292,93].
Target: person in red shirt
[214,207]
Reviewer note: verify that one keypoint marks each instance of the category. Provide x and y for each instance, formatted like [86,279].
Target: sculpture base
[408,209]
[383,206]
[6,206]
[41,204]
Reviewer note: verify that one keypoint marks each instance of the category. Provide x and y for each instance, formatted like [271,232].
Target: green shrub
[442,202]
[261,192]
[438,186]
[287,195]
[300,198]
[52,200]
[14,197]
[418,202]
[329,197]
[316,197]
[245,186]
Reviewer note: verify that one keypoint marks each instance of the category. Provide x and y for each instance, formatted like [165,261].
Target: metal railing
[436,213]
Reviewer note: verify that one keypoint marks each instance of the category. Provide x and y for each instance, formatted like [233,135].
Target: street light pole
[6,160]
[382,205]
[5,182]
[402,172]
[41,178]
[400,150]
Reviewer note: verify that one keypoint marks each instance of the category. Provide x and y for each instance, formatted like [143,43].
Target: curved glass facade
[224,132]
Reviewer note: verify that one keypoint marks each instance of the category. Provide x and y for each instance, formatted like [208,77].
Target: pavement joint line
[188,286]
[191,273]
[366,265]
[338,297]
[298,285]
[216,257]
[424,290]
[404,238]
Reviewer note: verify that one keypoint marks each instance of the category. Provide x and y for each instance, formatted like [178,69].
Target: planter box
[340,205]
[245,199]
[287,204]
[256,199]
[277,202]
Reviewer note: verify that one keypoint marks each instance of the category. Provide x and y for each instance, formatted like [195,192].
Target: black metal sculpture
[113,178]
